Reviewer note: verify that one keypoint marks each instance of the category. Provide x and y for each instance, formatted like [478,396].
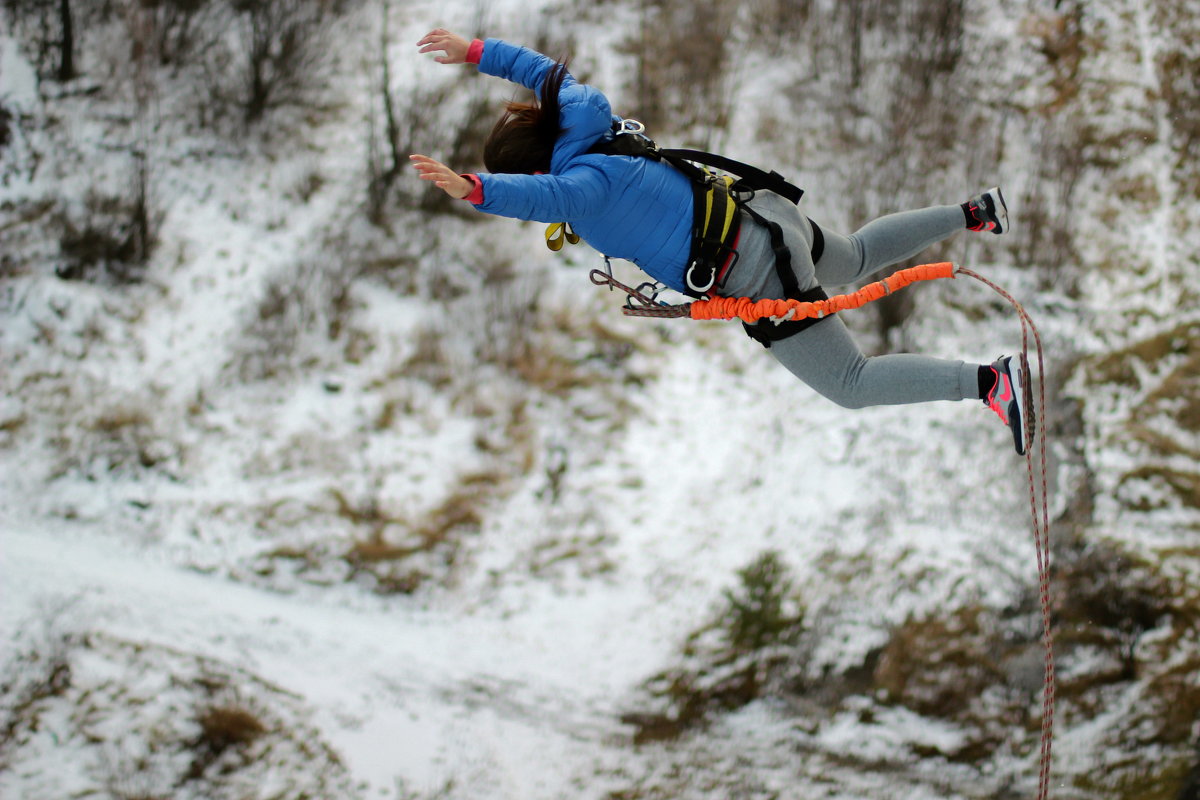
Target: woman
[640,209]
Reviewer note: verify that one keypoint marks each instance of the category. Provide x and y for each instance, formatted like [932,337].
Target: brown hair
[522,140]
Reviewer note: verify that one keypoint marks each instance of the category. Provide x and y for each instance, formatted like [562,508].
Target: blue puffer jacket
[625,207]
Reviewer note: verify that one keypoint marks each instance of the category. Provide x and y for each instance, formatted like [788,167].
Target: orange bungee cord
[751,311]
[781,310]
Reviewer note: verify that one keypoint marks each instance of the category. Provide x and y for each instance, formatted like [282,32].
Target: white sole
[1018,387]
[1001,209]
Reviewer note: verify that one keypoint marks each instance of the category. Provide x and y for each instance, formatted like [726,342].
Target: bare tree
[66,63]
[48,28]
[281,42]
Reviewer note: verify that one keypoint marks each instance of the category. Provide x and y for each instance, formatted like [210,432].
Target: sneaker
[987,212]
[1007,399]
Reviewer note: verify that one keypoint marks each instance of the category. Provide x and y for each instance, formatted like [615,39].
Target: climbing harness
[716,223]
[716,199]
[643,302]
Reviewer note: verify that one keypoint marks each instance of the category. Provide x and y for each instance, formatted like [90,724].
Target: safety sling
[715,221]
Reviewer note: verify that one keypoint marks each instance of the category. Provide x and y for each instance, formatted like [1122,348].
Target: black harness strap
[713,241]
[818,245]
[751,177]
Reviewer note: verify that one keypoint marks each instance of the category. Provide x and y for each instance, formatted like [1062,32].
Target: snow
[612,515]
[18,81]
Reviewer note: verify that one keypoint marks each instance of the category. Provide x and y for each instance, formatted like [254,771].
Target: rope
[1039,506]
[743,308]
[638,303]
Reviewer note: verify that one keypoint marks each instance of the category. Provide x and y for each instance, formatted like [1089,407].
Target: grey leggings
[824,355]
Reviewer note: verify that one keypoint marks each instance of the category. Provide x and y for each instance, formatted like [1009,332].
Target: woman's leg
[885,241]
[826,358]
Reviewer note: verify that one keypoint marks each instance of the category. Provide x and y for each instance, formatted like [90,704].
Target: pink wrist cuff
[476,195]
[475,51]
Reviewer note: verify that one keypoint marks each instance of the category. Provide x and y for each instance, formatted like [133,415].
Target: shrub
[312,298]
[731,661]
[113,237]
[37,668]
[758,613]
[178,30]
[424,120]
[30,678]
[938,665]
[52,30]
[6,124]
[250,56]
[111,435]
[223,728]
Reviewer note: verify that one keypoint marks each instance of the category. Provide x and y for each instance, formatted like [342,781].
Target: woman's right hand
[452,44]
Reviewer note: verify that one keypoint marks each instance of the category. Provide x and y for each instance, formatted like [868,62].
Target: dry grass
[1177,68]
[1164,424]
[1058,37]
[400,555]
[112,435]
[223,727]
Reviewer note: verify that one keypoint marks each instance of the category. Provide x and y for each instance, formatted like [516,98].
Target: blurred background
[317,484]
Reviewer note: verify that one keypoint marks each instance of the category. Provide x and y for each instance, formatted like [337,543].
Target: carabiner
[631,126]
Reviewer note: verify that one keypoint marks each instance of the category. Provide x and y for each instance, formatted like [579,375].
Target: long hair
[522,140]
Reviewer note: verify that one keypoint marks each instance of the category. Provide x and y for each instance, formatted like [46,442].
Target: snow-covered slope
[308,505]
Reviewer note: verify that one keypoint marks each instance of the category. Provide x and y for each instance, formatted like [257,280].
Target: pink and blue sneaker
[1007,399]
[987,212]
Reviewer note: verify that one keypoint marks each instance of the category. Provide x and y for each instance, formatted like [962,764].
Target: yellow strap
[708,206]
[558,234]
[730,207]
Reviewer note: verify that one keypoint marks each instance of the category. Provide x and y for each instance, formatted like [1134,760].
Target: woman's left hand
[442,176]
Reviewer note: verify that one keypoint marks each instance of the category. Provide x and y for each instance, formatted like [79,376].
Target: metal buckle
[687,277]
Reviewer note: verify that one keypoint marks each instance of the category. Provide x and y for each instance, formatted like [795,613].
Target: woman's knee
[847,397]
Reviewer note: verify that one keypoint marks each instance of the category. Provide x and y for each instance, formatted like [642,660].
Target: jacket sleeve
[585,113]
[580,191]
[517,64]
